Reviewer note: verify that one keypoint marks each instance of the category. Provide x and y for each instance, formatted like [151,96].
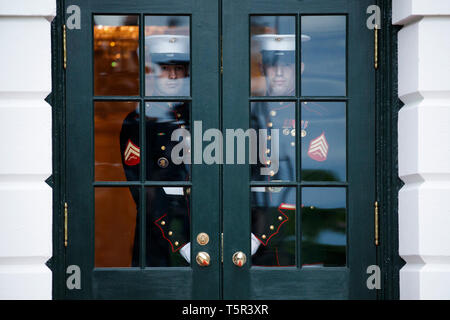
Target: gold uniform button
[273,113]
[270,124]
[178,115]
[303,133]
[170,233]
[268,151]
[286,132]
[163,148]
[268,162]
[269,137]
[292,144]
[263,236]
[176,243]
[272,227]
[280,218]
[312,207]
[272,173]
[293,132]
[163,223]
[163,162]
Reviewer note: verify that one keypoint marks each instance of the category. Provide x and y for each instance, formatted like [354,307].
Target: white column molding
[26,144]
[424,147]
[37,8]
[407,11]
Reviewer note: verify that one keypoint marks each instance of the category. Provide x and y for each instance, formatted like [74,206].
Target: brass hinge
[66,206]
[376,48]
[377,240]
[221,245]
[64,46]
[221,56]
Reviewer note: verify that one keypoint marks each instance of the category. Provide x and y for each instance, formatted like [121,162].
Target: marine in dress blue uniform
[273,213]
[322,136]
[167,208]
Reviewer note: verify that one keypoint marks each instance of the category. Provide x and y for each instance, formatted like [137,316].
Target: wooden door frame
[388,182]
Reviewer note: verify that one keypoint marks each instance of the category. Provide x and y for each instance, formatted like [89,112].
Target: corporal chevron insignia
[132,154]
[318,148]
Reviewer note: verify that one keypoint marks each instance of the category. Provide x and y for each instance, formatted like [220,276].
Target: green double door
[220,149]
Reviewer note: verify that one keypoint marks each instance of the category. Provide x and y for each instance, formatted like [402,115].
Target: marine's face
[172,79]
[280,78]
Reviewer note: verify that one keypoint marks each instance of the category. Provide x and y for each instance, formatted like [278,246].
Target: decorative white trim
[26,149]
[424,147]
[407,11]
[37,8]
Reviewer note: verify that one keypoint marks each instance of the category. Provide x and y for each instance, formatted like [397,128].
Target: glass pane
[323,138]
[273,226]
[324,238]
[115,222]
[168,226]
[116,62]
[117,148]
[273,48]
[324,56]
[167,56]
[281,116]
[162,118]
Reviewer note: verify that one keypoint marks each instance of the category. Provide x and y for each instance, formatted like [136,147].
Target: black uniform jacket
[322,136]
[167,217]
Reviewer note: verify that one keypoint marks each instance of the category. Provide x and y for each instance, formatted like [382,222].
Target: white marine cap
[278,42]
[167,43]
[167,47]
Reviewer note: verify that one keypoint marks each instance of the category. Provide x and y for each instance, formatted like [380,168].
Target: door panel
[308,224]
[158,59]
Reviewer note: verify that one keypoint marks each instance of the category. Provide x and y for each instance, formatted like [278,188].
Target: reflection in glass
[116,63]
[323,139]
[162,118]
[112,149]
[324,56]
[273,45]
[115,221]
[324,237]
[273,226]
[281,116]
[168,226]
[167,56]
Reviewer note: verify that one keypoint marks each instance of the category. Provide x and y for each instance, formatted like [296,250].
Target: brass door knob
[239,259]
[203,259]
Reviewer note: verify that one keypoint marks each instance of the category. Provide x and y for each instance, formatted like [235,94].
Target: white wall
[25,148]
[424,147]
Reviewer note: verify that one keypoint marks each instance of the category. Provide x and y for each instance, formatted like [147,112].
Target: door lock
[203,259]
[239,259]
